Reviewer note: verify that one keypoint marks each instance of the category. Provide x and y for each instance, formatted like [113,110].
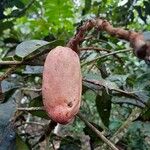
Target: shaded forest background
[29,29]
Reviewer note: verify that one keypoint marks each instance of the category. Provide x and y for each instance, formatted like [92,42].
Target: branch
[10,62]
[33,123]
[141,48]
[30,108]
[123,129]
[97,132]
[94,48]
[100,49]
[105,55]
[8,72]
[103,83]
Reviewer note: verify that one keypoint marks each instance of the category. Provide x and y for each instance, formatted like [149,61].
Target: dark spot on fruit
[70,104]
[66,114]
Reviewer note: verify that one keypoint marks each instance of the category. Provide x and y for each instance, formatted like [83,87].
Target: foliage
[29,29]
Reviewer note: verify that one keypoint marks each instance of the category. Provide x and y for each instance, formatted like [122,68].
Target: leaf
[118,79]
[5,25]
[87,7]
[7,132]
[98,84]
[126,100]
[33,70]
[8,58]
[20,144]
[32,47]
[7,111]
[7,138]
[7,86]
[70,143]
[87,85]
[103,105]
[27,47]
[37,102]
[142,82]
[11,3]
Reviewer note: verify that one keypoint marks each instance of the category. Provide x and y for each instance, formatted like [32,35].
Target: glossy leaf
[32,47]
[28,47]
[103,104]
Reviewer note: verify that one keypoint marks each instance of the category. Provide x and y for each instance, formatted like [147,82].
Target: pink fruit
[62,84]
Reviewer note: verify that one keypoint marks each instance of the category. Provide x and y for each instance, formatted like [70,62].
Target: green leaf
[103,104]
[87,7]
[20,144]
[37,102]
[126,100]
[142,82]
[27,47]
[5,25]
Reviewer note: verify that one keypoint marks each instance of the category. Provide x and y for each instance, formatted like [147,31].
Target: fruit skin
[62,84]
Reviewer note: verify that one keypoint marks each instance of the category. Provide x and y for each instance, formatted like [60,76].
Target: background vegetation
[53,22]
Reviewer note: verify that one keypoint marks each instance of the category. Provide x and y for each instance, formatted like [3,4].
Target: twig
[30,108]
[33,123]
[10,62]
[8,72]
[97,132]
[100,49]
[30,89]
[94,48]
[123,129]
[105,55]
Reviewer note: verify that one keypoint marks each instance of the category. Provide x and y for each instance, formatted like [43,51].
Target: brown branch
[141,48]
[97,132]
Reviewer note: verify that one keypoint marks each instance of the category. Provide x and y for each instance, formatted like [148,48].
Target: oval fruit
[62,84]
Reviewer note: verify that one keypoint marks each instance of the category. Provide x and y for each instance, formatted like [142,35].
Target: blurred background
[26,26]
